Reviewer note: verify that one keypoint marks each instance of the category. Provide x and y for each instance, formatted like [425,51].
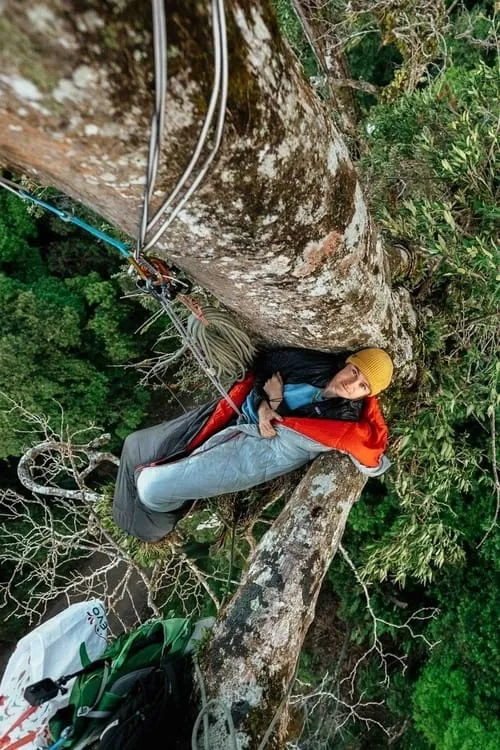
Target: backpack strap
[84,654]
[126,682]
[170,679]
[88,711]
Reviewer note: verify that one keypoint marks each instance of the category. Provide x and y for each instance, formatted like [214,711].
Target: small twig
[397,602]
[395,737]
[118,550]
[198,575]
[376,644]
[352,83]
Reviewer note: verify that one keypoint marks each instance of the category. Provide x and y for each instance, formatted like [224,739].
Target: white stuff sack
[60,646]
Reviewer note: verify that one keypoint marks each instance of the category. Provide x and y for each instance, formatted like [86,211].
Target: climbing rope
[122,248]
[197,343]
[217,103]
[218,346]
[166,304]
[158,117]
[206,706]
[222,342]
[211,348]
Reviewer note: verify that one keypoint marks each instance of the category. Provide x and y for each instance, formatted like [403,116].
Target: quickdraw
[155,272]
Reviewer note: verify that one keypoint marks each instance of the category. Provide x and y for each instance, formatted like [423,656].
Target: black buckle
[42,691]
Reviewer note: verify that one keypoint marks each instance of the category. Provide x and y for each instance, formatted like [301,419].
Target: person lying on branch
[295,404]
[308,383]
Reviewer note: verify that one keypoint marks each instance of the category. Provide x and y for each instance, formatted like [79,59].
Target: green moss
[111,37]
[15,44]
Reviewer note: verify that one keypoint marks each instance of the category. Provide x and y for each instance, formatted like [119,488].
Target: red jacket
[366,440]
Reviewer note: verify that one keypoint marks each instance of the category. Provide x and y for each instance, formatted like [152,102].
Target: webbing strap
[87,710]
[65,216]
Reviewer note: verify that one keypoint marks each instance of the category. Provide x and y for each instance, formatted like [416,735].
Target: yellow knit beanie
[376,366]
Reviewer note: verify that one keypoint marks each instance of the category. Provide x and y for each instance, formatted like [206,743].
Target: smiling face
[348,383]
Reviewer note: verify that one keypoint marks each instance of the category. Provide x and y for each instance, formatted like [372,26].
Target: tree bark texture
[279,230]
[253,654]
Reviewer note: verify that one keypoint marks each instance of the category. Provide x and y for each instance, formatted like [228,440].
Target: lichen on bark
[252,656]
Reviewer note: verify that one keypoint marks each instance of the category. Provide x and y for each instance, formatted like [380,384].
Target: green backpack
[103,685]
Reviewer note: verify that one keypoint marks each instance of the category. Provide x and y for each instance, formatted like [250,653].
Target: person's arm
[266,365]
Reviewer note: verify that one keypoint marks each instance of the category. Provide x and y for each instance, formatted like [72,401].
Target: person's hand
[273,389]
[266,417]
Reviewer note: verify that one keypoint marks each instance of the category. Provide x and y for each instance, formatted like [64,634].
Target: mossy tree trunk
[279,232]
[279,225]
[251,660]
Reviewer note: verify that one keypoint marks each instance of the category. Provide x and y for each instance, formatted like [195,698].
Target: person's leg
[153,489]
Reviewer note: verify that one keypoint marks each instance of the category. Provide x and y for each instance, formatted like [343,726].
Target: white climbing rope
[203,715]
[203,346]
[194,348]
[217,106]
[158,117]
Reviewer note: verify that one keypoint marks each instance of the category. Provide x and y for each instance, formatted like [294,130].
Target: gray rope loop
[203,715]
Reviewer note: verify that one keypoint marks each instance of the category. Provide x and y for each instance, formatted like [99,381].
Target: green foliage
[110,319]
[474,35]
[63,328]
[456,694]
[291,28]
[442,141]
[372,61]
[17,228]
[417,535]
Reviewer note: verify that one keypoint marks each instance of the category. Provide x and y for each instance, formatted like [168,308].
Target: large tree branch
[252,657]
[279,224]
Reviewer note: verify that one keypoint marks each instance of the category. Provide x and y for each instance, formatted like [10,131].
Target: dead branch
[351,83]
[53,453]
[61,546]
[426,613]
[336,702]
